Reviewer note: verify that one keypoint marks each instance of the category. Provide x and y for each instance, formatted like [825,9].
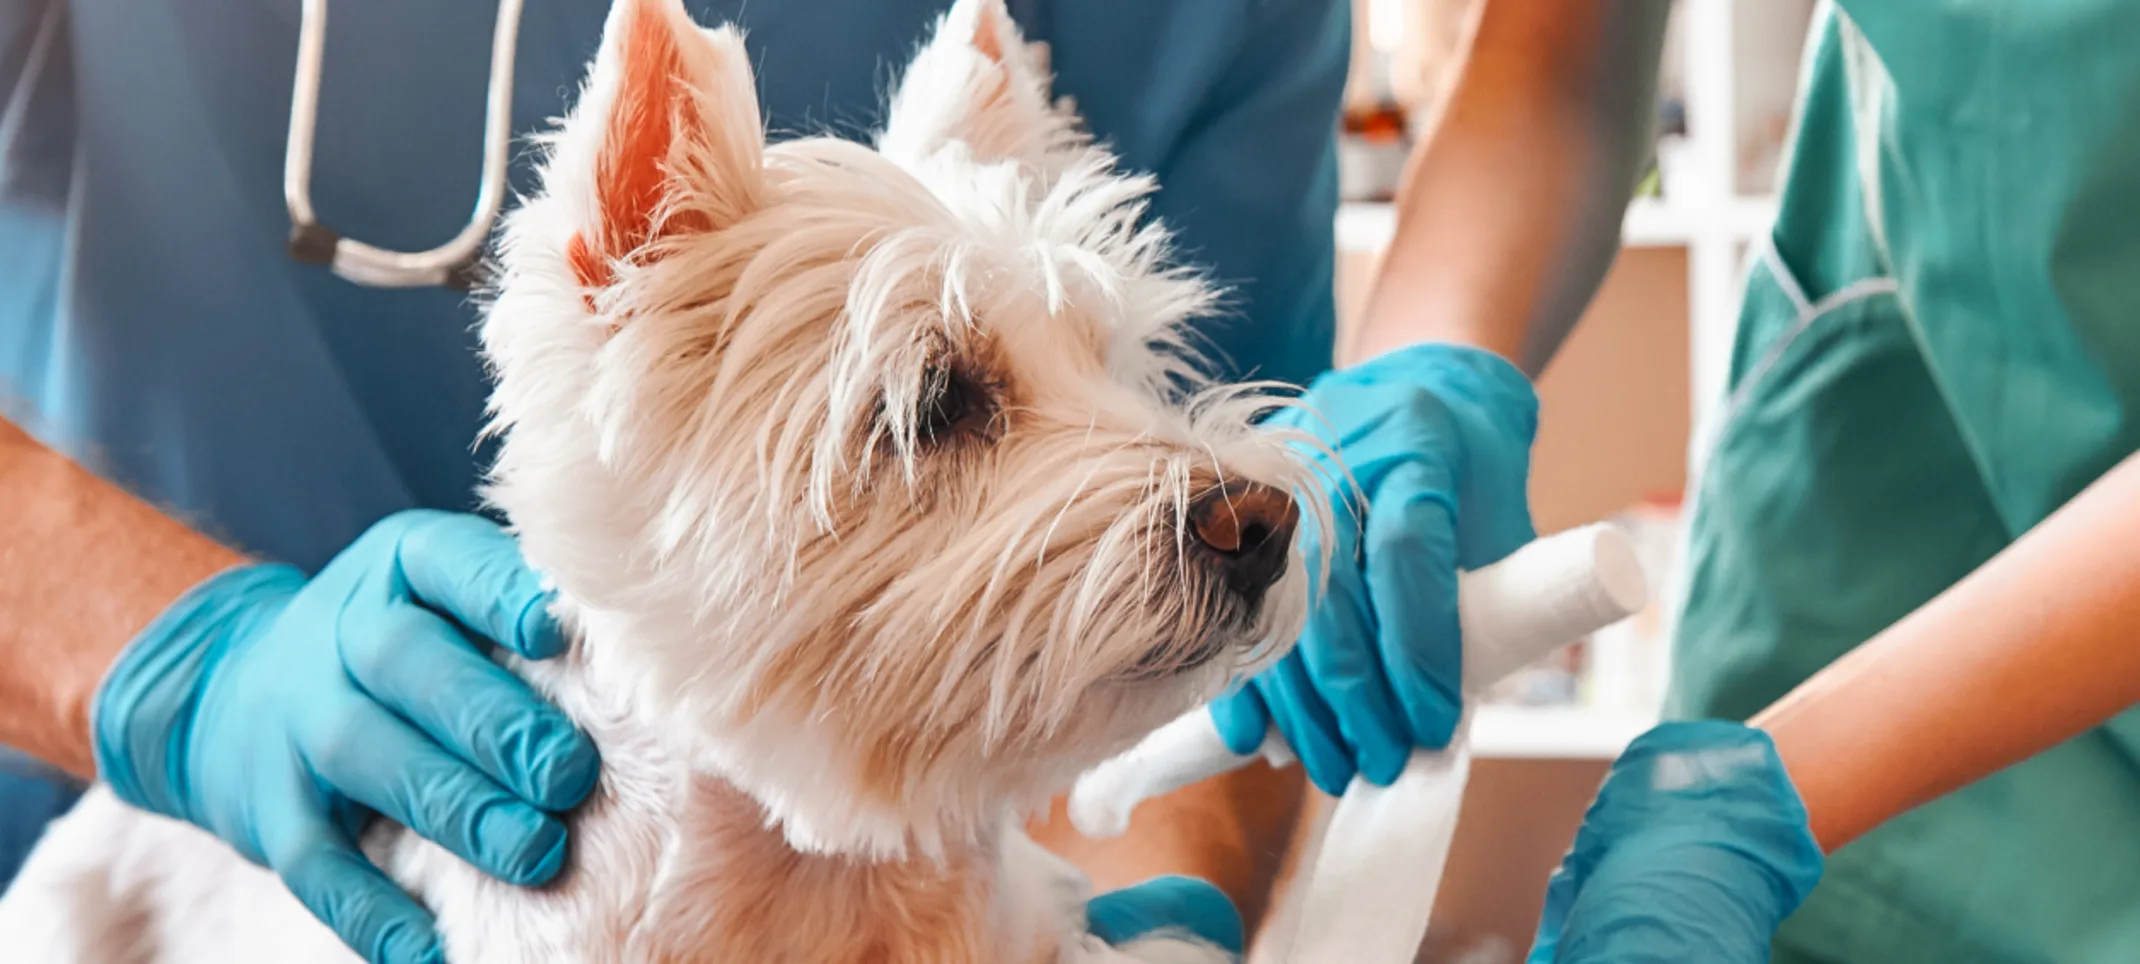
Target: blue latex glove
[279,713]
[1437,439]
[1166,903]
[1696,849]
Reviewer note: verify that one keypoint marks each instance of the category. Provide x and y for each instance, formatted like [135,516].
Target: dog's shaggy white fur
[876,484]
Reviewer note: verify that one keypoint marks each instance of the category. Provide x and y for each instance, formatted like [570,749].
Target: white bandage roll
[1544,596]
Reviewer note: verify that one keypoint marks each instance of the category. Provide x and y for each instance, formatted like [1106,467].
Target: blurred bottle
[1372,147]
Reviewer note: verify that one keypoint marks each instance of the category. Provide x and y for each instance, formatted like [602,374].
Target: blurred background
[1623,404]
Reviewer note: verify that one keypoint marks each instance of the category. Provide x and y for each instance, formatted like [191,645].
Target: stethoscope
[458,262]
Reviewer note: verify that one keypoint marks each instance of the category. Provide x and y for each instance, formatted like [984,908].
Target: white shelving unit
[1716,249]
[1651,223]
[1703,212]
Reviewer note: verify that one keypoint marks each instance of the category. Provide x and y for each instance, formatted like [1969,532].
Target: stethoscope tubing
[456,263]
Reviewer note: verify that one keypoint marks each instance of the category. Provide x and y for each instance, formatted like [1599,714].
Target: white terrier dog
[883,499]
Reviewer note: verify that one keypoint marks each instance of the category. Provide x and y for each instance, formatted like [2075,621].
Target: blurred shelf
[1366,227]
[1653,223]
[1505,732]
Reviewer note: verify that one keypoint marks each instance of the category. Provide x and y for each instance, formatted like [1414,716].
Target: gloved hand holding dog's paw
[280,712]
[1436,440]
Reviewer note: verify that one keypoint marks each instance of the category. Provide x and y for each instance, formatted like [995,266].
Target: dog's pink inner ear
[653,109]
[995,101]
[988,32]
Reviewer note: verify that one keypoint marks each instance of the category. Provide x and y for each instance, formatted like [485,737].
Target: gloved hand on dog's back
[1433,442]
[279,712]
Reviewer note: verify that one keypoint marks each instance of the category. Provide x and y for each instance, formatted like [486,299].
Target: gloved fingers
[420,666]
[1410,560]
[1242,720]
[1308,725]
[1493,414]
[468,569]
[1338,652]
[1686,902]
[372,757]
[377,919]
[1162,904]
[1496,520]
[1563,888]
[1561,891]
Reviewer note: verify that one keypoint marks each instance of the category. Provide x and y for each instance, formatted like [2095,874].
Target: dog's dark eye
[949,401]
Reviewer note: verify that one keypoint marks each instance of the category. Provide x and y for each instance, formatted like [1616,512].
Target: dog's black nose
[1249,528]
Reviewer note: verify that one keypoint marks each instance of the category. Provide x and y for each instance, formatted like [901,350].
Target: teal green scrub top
[1939,346]
[152,325]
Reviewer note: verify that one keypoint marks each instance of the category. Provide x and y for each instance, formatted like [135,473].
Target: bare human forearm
[2036,647]
[1511,206]
[83,567]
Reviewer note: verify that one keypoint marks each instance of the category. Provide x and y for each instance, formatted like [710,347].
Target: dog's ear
[671,116]
[976,81]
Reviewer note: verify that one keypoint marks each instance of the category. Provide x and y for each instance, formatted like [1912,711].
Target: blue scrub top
[152,326]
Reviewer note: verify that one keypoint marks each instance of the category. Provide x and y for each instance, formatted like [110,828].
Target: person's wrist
[1393,325]
[139,717]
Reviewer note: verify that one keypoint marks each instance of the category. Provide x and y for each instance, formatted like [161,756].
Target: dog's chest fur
[679,867]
